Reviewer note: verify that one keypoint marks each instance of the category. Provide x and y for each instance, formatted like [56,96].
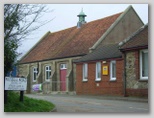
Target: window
[47,72]
[144,64]
[63,66]
[98,71]
[34,73]
[112,70]
[85,72]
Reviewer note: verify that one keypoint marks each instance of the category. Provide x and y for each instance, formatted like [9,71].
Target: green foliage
[11,19]
[10,55]
[28,105]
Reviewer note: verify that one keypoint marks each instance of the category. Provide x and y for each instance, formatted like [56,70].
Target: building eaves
[104,52]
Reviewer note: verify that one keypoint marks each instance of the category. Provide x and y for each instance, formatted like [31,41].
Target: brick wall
[103,87]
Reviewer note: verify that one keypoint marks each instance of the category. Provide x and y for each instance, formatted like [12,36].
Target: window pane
[34,76]
[113,70]
[85,71]
[49,67]
[46,74]
[34,73]
[144,64]
[98,70]
[50,73]
[64,65]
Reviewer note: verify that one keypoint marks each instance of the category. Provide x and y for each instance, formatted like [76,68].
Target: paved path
[84,104]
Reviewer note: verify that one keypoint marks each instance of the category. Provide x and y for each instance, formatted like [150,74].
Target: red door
[63,72]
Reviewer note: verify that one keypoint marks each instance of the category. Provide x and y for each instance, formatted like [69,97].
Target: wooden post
[21,96]
[5,96]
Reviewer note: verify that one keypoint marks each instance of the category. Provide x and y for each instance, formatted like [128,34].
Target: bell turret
[81,19]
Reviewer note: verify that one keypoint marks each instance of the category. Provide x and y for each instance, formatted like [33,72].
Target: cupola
[81,19]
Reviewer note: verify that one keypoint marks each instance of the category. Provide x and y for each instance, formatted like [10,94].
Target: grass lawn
[28,105]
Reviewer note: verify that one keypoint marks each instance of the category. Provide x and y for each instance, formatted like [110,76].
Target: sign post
[21,96]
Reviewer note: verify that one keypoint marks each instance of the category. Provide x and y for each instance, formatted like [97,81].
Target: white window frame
[98,64]
[47,71]
[35,71]
[111,71]
[85,72]
[63,66]
[141,77]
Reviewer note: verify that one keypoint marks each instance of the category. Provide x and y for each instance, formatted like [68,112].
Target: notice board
[15,83]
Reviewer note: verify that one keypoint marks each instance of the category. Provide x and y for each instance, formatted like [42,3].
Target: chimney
[81,19]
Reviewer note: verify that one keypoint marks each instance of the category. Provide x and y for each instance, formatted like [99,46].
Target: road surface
[86,104]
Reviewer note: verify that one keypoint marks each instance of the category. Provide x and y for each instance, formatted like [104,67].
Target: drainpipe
[124,76]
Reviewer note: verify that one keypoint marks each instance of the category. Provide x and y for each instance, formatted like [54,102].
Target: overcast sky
[65,16]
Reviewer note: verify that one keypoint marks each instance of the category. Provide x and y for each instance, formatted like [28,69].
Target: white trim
[98,65]
[141,77]
[34,72]
[111,66]
[85,72]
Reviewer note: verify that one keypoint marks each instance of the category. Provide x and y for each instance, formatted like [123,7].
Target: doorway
[63,73]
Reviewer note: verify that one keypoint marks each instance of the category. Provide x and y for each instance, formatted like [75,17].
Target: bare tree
[27,17]
[20,20]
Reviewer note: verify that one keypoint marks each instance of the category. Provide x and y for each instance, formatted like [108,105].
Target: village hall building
[51,60]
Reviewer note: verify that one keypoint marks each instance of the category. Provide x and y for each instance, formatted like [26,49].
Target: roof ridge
[88,22]
[105,17]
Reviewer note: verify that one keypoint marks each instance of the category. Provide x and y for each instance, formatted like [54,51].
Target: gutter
[103,59]
[133,48]
[52,59]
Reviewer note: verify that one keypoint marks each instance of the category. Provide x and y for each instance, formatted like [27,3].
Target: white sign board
[15,83]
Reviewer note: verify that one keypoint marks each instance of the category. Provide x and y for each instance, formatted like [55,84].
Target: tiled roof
[69,42]
[136,40]
[105,52]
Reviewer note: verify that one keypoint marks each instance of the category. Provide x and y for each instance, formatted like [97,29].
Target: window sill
[97,80]
[113,80]
[143,80]
[34,81]
[47,80]
[84,80]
